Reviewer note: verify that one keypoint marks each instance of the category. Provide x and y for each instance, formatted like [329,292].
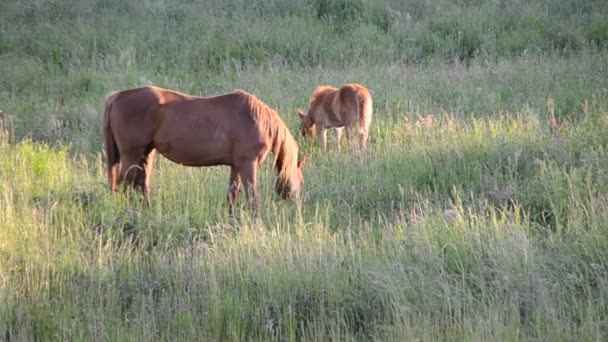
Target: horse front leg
[248,173]
[234,187]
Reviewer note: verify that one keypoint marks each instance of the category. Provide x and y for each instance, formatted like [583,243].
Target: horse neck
[283,152]
[281,143]
[278,149]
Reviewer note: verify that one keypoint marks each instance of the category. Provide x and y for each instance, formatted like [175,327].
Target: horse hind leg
[148,162]
[135,172]
[234,187]
[133,175]
[113,176]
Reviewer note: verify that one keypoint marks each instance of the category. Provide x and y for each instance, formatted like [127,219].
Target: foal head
[306,125]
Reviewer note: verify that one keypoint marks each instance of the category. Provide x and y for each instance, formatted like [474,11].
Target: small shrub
[597,32]
[341,10]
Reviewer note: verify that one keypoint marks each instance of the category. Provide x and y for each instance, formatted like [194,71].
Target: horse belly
[195,151]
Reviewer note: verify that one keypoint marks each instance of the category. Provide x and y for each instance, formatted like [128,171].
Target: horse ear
[301,114]
[302,162]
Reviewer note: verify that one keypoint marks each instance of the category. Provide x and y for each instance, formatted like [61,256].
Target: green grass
[478,213]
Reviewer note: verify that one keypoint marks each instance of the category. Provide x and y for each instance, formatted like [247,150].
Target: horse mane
[283,146]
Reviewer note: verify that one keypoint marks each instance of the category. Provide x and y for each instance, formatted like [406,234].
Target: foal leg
[363,139]
[322,134]
[349,136]
[338,136]
[234,187]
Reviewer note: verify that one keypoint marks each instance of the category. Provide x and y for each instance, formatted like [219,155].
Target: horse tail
[364,107]
[111,149]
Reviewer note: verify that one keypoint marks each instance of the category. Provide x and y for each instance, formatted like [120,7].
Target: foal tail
[111,149]
[364,107]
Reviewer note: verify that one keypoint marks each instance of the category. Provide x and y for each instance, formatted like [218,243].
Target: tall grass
[478,213]
[488,229]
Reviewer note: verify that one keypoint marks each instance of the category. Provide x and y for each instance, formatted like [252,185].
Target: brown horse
[234,129]
[338,108]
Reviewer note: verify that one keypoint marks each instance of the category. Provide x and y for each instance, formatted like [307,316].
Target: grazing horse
[234,129]
[330,107]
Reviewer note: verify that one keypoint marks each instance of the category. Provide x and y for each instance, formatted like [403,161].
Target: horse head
[289,187]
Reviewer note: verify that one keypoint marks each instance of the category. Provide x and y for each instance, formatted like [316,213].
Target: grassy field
[480,211]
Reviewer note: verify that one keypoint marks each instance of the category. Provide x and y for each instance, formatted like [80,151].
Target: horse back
[187,129]
[137,99]
[204,131]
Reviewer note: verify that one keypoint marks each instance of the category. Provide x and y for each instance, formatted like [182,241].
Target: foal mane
[283,146]
[319,92]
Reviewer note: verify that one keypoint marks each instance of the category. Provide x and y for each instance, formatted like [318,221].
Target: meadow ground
[480,211]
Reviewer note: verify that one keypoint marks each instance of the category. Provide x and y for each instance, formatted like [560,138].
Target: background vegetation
[480,211]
